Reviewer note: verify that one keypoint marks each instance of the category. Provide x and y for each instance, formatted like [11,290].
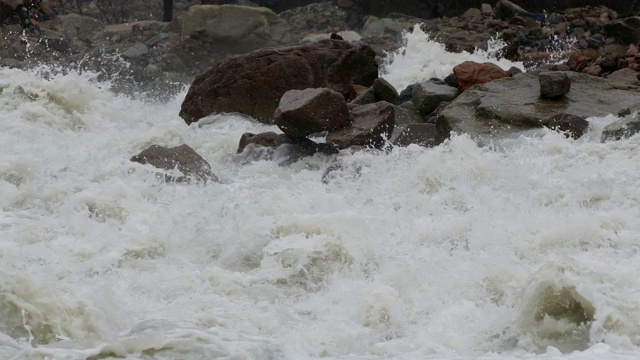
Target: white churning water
[526,250]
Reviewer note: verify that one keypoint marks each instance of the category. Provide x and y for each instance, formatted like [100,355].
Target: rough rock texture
[505,9]
[371,124]
[239,28]
[320,17]
[406,116]
[470,73]
[512,104]
[279,148]
[626,76]
[266,139]
[622,129]
[419,134]
[573,126]
[384,91]
[304,112]
[253,83]
[183,158]
[626,31]
[427,96]
[82,27]
[554,84]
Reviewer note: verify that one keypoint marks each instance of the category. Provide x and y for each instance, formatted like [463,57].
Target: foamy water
[524,250]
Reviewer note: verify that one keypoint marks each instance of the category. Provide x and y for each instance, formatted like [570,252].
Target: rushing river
[527,249]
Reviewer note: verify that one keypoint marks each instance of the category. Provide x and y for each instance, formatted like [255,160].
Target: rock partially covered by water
[371,125]
[622,129]
[513,104]
[471,73]
[554,84]
[418,133]
[304,112]
[253,83]
[181,158]
[279,148]
[573,126]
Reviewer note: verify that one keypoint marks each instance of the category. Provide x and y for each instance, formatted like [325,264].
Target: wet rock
[239,29]
[511,105]
[593,70]
[266,139]
[573,126]
[554,84]
[486,10]
[82,27]
[427,96]
[505,9]
[136,51]
[253,83]
[470,73]
[625,31]
[406,94]
[451,80]
[404,115]
[322,17]
[622,129]
[366,97]
[304,112]
[422,134]
[279,148]
[182,158]
[626,76]
[384,91]
[596,40]
[371,124]
[375,27]
[513,71]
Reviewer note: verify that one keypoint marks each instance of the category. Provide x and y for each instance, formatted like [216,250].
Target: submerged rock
[182,158]
[622,129]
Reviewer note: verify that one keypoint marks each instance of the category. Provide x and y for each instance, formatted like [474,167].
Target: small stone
[486,10]
[554,84]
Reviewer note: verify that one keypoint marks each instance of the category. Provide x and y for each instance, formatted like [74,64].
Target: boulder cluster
[322,89]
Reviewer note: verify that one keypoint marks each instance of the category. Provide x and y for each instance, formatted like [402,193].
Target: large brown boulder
[470,73]
[253,83]
[304,112]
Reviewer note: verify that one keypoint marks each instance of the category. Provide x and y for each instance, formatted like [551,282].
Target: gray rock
[554,84]
[511,105]
[505,9]
[626,31]
[384,91]
[405,115]
[136,51]
[420,134]
[427,96]
[238,29]
[622,129]
[82,27]
[182,158]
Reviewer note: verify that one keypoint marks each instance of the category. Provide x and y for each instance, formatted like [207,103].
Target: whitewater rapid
[525,249]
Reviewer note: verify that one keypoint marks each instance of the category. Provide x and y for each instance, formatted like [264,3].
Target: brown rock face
[182,157]
[371,124]
[253,83]
[573,126]
[470,73]
[304,112]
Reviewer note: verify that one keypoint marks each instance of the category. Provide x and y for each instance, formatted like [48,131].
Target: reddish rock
[626,76]
[304,112]
[371,124]
[345,4]
[470,73]
[593,70]
[253,83]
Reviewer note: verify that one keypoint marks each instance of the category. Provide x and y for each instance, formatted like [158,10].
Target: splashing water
[455,252]
[423,58]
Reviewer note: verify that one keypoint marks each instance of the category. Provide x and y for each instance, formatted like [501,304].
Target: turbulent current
[528,248]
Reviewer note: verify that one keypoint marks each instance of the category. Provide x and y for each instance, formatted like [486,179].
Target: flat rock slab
[509,105]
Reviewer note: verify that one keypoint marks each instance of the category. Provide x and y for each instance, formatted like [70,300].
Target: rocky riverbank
[282,68]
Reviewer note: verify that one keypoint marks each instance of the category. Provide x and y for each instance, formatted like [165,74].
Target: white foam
[422,253]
